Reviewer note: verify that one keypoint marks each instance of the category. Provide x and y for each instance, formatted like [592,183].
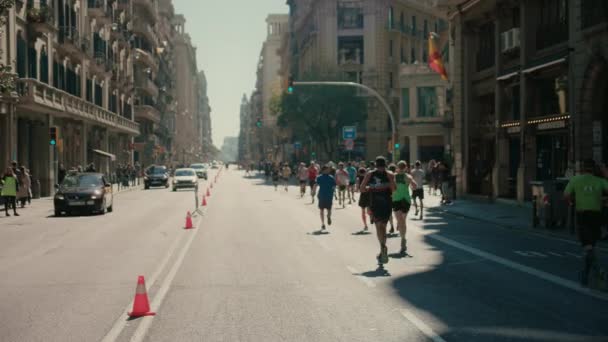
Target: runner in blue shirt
[326,185]
[352,175]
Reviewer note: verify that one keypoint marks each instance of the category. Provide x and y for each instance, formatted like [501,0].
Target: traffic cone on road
[204,201]
[141,305]
[189,221]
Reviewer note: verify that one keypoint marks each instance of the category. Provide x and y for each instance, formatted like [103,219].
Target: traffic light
[53,136]
[259,123]
[314,154]
[397,146]
[290,85]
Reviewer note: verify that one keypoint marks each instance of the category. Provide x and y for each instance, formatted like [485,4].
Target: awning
[105,154]
[544,65]
[507,76]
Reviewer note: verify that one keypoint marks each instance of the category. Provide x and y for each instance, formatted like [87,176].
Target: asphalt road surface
[256,269]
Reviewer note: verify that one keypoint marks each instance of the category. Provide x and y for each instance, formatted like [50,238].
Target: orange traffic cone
[141,305]
[208,193]
[204,201]
[189,221]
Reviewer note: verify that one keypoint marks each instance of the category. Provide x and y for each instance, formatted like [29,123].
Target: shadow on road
[318,232]
[378,272]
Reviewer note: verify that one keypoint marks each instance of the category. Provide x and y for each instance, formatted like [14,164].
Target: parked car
[185,178]
[201,170]
[88,192]
[156,175]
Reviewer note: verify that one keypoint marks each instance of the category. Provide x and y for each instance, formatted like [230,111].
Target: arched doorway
[592,130]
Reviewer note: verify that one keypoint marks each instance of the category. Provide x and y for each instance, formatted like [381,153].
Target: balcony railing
[147,112]
[35,93]
[146,57]
[147,85]
[149,6]
[69,34]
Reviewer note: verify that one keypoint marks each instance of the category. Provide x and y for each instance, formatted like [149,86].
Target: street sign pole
[364,87]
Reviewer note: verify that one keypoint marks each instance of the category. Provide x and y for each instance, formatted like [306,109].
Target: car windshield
[82,181]
[197,166]
[157,170]
[184,173]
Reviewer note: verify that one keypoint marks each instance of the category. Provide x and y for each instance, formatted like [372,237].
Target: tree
[320,112]
[7,79]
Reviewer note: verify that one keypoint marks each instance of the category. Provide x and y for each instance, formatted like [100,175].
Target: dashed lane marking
[522,253]
[538,254]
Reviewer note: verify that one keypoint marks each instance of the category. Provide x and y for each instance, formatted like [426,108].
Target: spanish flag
[435,61]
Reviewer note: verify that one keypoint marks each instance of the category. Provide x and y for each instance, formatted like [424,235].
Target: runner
[587,191]
[286,173]
[342,178]
[303,178]
[363,197]
[312,179]
[418,175]
[327,187]
[275,173]
[392,168]
[402,201]
[380,184]
[352,180]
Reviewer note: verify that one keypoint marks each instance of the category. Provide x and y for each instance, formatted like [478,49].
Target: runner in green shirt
[402,200]
[587,191]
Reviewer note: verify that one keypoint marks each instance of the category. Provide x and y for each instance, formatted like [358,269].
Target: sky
[228,35]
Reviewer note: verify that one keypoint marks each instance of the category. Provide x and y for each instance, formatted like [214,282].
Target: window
[32,62]
[594,12]
[350,16]
[436,27]
[485,52]
[391,18]
[402,22]
[405,103]
[414,25]
[390,48]
[426,29]
[427,102]
[413,56]
[350,50]
[21,53]
[425,55]
[553,23]
[391,81]
[44,66]
[402,54]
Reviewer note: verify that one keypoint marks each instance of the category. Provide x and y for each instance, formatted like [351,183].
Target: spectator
[61,173]
[25,184]
[10,186]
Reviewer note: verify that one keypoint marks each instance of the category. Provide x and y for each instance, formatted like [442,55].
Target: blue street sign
[349,132]
[297,145]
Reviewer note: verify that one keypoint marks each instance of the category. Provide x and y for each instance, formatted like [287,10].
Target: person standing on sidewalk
[10,186]
[418,175]
[24,186]
[587,191]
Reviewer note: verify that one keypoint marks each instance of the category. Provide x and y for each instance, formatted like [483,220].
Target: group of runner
[384,193]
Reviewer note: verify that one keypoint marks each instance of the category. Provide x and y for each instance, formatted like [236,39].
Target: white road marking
[522,253]
[578,256]
[370,283]
[425,329]
[142,329]
[538,254]
[519,267]
[555,254]
[121,322]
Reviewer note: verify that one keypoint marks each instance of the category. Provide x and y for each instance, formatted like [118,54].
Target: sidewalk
[506,215]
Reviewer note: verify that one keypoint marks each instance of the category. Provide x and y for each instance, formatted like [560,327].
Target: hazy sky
[228,36]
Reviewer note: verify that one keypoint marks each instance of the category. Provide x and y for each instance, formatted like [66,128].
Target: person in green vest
[587,191]
[10,185]
[402,200]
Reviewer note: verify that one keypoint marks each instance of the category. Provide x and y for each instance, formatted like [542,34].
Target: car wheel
[174,189]
[146,187]
[57,213]
[111,208]
[103,208]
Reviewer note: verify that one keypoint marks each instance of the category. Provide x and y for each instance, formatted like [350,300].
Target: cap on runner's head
[418,163]
[392,167]
[362,170]
[325,168]
[402,164]
[380,161]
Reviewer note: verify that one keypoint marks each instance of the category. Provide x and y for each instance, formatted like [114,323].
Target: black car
[156,175]
[84,192]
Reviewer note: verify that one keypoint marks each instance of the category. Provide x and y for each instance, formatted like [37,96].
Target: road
[254,269]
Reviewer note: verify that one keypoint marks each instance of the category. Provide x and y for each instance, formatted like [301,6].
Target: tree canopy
[320,112]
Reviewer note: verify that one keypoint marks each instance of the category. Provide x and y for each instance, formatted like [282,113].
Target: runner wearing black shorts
[363,198]
[380,184]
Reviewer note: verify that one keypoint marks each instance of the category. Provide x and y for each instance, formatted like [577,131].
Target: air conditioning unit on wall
[509,40]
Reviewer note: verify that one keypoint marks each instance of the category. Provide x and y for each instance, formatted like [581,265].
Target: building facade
[204,108]
[366,41]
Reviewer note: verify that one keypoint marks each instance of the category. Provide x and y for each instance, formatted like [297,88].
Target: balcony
[69,40]
[101,64]
[146,58]
[99,11]
[147,112]
[144,29]
[149,6]
[41,97]
[41,19]
[147,85]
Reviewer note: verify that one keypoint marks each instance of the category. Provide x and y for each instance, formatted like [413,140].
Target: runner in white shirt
[303,178]
[342,178]
[418,175]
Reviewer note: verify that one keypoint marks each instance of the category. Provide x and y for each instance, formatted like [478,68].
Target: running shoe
[392,231]
[323,227]
[416,213]
[329,220]
[384,255]
[403,246]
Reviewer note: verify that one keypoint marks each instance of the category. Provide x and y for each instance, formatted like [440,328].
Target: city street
[255,268]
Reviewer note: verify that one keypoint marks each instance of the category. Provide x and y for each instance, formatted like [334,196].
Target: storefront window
[427,102]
